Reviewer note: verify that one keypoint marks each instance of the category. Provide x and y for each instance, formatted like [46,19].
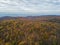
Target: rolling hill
[30,30]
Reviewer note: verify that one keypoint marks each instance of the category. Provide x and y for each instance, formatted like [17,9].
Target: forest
[21,31]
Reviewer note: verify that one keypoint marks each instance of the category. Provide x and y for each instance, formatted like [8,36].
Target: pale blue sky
[29,7]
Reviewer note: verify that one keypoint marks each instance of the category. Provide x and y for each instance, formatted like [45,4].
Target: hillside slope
[30,31]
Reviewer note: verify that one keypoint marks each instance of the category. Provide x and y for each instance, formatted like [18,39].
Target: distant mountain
[33,18]
[44,18]
[7,18]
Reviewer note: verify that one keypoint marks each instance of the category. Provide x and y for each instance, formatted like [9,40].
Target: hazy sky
[30,6]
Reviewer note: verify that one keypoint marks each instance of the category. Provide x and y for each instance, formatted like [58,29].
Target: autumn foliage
[27,32]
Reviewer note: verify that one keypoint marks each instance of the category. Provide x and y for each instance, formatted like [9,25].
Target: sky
[29,7]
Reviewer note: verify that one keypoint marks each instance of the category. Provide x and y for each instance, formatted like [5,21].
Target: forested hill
[32,30]
[32,18]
